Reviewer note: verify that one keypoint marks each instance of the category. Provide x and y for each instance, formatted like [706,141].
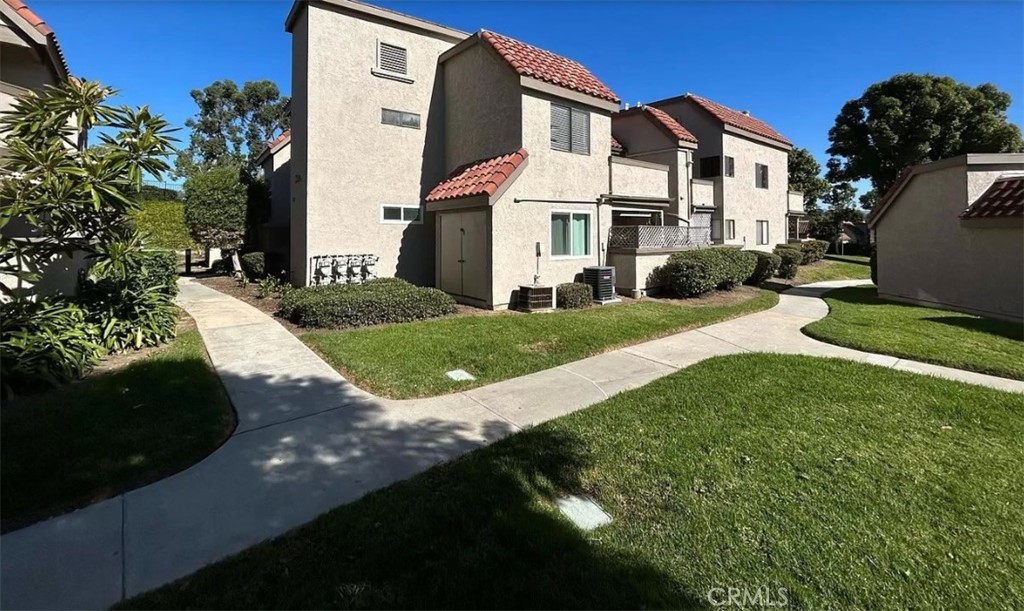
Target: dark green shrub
[572,295]
[873,262]
[766,266]
[384,300]
[739,266]
[131,301]
[695,272]
[254,265]
[163,223]
[791,258]
[813,250]
[216,203]
[45,343]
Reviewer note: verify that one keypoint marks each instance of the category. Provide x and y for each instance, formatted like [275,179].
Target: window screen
[570,234]
[761,175]
[392,58]
[580,131]
[570,129]
[399,118]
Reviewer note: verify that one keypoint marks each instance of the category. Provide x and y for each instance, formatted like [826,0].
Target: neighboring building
[950,234]
[275,235]
[854,238]
[30,59]
[473,162]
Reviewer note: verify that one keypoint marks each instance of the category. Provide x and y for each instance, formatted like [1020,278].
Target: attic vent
[391,58]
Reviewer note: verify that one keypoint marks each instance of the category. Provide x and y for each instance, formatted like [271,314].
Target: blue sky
[792,64]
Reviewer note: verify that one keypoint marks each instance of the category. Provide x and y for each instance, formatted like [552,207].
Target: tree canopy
[232,125]
[805,176]
[914,118]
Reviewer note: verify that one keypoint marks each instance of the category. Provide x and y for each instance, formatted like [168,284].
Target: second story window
[570,129]
[760,176]
[399,118]
[710,167]
[392,58]
[729,166]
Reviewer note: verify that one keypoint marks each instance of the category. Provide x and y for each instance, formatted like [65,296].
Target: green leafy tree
[61,195]
[216,205]
[232,125]
[805,176]
[914,118]
[868,199]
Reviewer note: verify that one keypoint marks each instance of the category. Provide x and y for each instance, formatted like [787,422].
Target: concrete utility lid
[583,512]
[461,375]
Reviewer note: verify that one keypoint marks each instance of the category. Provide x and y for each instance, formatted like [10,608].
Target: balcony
[658,237]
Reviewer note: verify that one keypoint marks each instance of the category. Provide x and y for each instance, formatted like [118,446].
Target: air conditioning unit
[602,282]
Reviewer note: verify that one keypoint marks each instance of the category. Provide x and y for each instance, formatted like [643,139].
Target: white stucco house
[950,234]
[475,162]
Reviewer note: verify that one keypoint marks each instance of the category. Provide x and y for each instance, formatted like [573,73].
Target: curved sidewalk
[308,441]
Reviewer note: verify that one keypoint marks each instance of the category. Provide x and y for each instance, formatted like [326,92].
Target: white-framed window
[401,215]
[716,229]
[760,176]
[570,234]
[570,129]
[399,118]
[730,229]
[762,232]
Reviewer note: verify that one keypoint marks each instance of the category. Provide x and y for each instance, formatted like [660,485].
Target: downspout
[689,185]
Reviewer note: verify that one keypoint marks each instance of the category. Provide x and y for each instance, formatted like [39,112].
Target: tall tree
[805,176]
[913,118]
[232,124]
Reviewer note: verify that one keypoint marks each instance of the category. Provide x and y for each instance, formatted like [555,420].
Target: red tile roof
[673,126]
[285,136]
[530,61]
[1004,199]
[482,177]
[738,119]
[38,25]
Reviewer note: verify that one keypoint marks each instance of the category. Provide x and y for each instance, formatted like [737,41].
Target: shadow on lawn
[1009,330]
[479,532]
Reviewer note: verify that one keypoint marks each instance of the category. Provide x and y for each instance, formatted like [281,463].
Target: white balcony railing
[658,236]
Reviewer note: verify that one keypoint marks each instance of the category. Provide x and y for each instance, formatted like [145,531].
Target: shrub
[254,265]
[131,301]
[573,295]
[766,266]
[384,300]
[873,262]
[270,287]
[739,266]
[163,223]
[45,342]
[813,250]
[695,272]
[790,260]
[216,206]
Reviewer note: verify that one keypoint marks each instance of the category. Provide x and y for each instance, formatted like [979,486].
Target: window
[570,234]
[570,129]
[760,176]
[762,232]
[798,228]
[716,229]
[710,167]
[399,118]
[392,58]
[400,214]
[730,166]
[730,229]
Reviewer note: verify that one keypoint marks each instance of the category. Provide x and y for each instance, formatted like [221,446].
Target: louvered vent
[393,59]
[580,131]
[560,118]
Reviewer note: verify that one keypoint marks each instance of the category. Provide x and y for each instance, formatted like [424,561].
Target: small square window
[570,234]
[400,214]
[730,166]
[411,215]
[760,176]
[570,129]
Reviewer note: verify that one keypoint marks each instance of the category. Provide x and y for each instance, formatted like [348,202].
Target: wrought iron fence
[658,236]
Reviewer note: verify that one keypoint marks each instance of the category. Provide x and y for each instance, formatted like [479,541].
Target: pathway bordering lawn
[860,320]
[409,360]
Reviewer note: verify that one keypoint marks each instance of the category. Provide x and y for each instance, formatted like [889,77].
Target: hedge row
[695,272]
[380,301]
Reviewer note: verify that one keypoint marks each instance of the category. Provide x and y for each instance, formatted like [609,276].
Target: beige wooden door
[451,252]
[463,257]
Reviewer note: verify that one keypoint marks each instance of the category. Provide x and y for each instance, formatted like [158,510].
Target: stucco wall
[551,174]
[634,272]
[628,178]
[483,107]
[744,202]
[795,200]
[927,255]
[298,259]
[703,192]
[20,66]
[278,174]
[355,164]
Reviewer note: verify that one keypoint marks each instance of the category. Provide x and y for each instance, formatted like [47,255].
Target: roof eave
[378,13]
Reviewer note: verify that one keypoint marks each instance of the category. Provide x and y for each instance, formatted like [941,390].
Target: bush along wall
[813,250]
[695,272]
[790,261]
[380,301]
[766,266]
[573,295]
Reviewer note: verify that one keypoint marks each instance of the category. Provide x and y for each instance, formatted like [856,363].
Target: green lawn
[859,319]
[164,222]
[851,486]
[410,360]
[862,260]
[94,439]
[833,267]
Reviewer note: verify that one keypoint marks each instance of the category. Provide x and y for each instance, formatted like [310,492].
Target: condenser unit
[602,282]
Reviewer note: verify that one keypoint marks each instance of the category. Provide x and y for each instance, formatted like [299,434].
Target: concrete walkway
[308,441]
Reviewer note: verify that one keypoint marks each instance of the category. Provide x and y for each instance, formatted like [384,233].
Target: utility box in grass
[535,298]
